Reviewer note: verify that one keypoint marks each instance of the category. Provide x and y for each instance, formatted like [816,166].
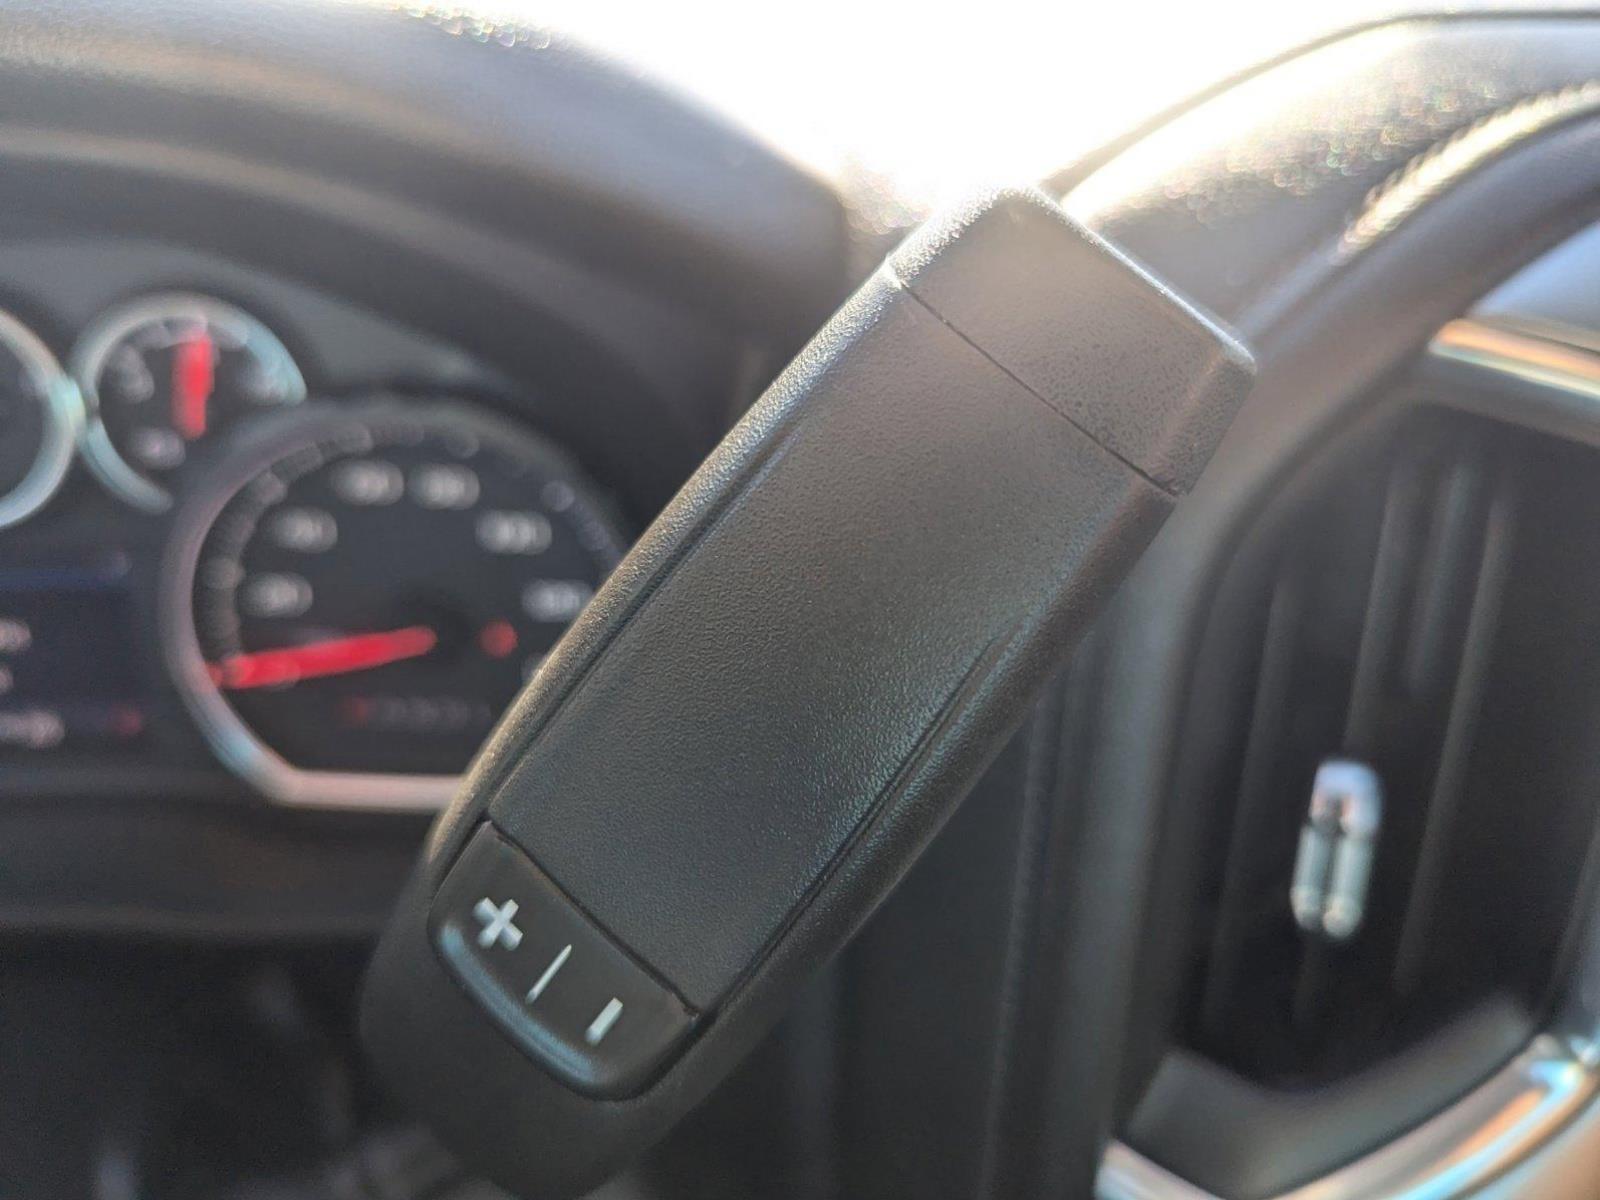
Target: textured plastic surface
[927,512]
[1140,372]
[783,691]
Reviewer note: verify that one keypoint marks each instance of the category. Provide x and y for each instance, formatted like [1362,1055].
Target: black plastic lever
[782,692]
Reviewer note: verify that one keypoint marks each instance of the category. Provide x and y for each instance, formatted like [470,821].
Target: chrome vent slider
[1333,869]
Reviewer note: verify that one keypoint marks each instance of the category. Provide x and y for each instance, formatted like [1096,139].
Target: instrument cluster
[346,590]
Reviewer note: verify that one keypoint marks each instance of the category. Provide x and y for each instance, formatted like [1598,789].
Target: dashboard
[274,560]
[477,338]
[249,526]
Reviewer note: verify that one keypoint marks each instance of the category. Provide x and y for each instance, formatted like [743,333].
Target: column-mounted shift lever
[782,692]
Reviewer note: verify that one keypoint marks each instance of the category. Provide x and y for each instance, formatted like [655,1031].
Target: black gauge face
[163,377]
[39,418]
[370,592]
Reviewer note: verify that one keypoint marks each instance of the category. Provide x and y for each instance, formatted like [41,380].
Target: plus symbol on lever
[497,926]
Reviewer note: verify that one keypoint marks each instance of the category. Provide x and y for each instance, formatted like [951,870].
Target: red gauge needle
[336,656]
[194,376]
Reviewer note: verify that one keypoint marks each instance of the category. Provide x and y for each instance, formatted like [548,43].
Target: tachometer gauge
[363,593]
[40,415]
[165,374]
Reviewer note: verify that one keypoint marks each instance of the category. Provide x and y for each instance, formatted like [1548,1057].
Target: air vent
[1425,611]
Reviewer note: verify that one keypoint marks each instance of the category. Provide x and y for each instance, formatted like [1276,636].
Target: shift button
[550,978]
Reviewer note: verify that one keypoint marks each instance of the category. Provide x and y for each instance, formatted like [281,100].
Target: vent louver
[1420,611]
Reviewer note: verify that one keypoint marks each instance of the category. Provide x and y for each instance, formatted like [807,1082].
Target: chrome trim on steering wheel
[1475,1140]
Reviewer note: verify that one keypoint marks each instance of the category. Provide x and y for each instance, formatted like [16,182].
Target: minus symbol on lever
[549,973]
[603,1023]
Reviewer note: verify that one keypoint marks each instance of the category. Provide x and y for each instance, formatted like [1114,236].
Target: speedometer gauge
[167,374]
[363,593]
